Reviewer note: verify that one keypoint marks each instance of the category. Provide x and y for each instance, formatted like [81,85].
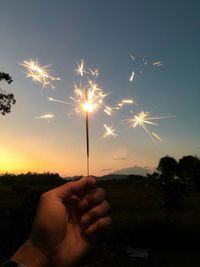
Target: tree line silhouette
[186,170]
[6,99]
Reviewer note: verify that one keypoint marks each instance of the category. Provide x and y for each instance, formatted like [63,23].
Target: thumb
[64,192]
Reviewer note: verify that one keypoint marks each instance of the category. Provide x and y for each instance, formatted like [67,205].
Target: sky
[105,34]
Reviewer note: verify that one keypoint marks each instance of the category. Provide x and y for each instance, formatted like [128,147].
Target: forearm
[29,255]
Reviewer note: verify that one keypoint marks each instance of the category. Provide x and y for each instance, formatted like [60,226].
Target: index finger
[77,188]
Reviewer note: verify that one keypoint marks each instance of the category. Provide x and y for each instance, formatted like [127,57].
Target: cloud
[120,154]
[134,170]
[119,158]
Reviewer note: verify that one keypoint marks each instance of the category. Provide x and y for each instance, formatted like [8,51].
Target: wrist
[31,256]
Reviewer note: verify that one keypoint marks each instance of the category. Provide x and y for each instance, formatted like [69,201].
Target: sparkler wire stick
[87,135]
[87,141]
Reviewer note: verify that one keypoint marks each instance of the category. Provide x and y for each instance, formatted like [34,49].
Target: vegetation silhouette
[188,169]
[167,166]
[140,219]
[6,99]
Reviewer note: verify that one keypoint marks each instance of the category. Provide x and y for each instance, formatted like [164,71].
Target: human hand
[69,221]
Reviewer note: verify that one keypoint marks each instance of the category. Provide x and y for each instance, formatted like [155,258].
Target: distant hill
[108,177]
[112,177]
[72,178]
[136,170]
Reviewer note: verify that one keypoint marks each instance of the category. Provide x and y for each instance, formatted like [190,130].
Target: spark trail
[39,73]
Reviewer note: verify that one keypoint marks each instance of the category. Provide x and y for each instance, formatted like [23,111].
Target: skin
[68,223]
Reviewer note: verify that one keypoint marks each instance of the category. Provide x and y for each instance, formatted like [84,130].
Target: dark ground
[149,227]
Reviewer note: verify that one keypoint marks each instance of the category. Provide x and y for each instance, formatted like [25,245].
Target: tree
[187,168]
[6,99]
[167,166]
[173,188]
[197,174]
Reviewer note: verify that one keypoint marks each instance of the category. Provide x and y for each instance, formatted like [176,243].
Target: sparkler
[142,119]
[39,73]
[88,99]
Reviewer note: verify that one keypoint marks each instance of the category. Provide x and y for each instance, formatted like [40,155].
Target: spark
[120,105]
[144,60]
[109,131]
[127,101]
[59,101]
[48,117]
[94,73]
[39,73]
[142,119]
[124,102]
[157,136]
[132,57]
[80,68]
[107,111]
[132,76]
[158,64]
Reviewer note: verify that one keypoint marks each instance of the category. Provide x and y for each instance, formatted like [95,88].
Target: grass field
[145,232]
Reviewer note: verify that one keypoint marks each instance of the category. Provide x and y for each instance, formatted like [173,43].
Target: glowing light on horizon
[39,73]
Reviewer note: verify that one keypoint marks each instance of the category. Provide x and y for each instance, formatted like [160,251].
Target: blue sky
[104,34]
